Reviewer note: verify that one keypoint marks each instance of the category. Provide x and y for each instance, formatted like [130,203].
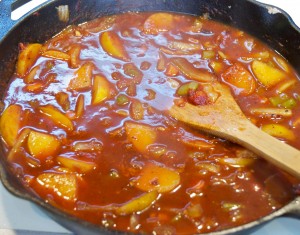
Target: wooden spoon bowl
[225,119]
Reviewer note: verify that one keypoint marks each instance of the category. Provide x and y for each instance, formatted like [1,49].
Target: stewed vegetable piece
[86,126]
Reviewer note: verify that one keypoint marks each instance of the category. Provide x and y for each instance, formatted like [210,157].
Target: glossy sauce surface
[86,125]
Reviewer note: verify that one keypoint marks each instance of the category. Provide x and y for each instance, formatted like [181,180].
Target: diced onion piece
[279,131]
[140,135]
[58,55]
[194,211]
[57,117]
[100,90]
[91,145]
[83,206]
[62,99]
[154,177]
[18,143]
[236,162]
[74,54]
[137,110]
[161,63]
[10,123]
[229,206]
[79,108]
[240,79]
[112,44]
[83,77]
[173,83]
[151,94]
[122,112]
[183,46]
[272,111]
[267,74]
[34,87]
[157,150]
[27,58]
[190,71]
[201,144]
[158,22]
[29,78]
[171,70]
[184,89]
[63,13]
[284,86]
[138,204]
[196,189]
[211,167]
[62,184]
[211,93]
[42,145]
[282,63]
[76,165]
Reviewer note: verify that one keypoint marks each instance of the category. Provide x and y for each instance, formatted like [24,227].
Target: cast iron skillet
[270,24]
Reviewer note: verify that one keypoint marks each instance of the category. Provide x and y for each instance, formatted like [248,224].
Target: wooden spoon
[225,119]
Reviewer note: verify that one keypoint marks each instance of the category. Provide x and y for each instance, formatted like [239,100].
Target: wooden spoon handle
[273,150]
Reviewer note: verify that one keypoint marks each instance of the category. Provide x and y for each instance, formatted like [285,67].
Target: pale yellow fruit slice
[10,123]
[159,178]
[42,145]
[140,135]
[63,184]
[27,58]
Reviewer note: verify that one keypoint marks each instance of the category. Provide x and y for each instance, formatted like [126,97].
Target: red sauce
[87,129]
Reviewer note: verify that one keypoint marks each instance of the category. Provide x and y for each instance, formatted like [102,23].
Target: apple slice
[140,135]
[76,165]
[138,204]
[62,184]
[79,107]
[10,123]
[30,77]
[100,90]
[156,177]
[279,131]
[267,74]
[240,79]
[159,22]
[74,54]
[58,55]
[112,44]
[27,58]
[42,145]
[83,77]
[57,117]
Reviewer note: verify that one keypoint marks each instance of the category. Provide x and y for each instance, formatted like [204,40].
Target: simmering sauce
[86,124]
